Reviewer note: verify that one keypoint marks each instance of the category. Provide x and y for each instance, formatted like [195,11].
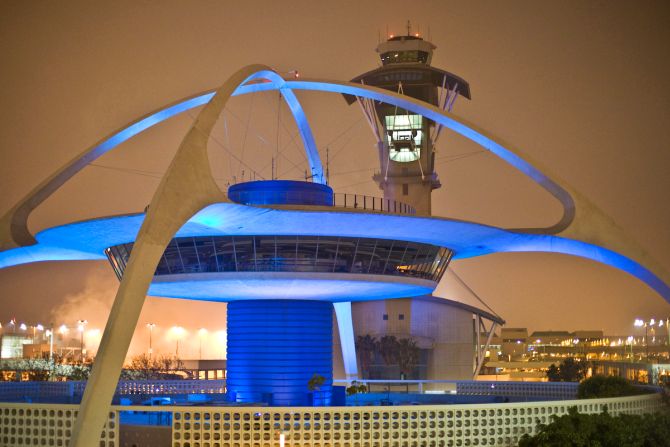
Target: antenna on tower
[409,28]
[327,165]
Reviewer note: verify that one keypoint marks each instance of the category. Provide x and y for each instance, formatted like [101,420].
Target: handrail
[371,203]
[343,200]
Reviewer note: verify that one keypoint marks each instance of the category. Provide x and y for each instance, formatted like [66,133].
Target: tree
[316,382]
[143,367]
[569,370]
[553,374]
[603,430]
[355,389]
[407,355]
[388,349]
[366,347]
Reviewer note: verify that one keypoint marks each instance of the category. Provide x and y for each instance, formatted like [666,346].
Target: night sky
[582,87]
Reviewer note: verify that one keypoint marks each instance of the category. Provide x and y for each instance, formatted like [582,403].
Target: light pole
[647,324]
[201,333]
[178,331]
[151,330]
[37,327]
[81,324]
[50,334]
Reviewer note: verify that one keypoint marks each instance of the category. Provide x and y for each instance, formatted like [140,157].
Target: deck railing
[371,203]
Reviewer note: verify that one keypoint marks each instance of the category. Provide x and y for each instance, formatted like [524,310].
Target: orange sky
[580,86]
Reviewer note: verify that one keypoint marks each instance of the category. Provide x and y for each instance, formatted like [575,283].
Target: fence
[459,425]
[543,390]
[429,425]
[47,424]
[371,203]
[12,391]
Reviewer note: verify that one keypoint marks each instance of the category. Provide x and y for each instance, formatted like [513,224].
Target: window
[385,317]
[293,254]
[404,136]
[411,56]
[401,316]
[405,189]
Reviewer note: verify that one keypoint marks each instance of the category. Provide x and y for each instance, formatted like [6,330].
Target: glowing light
[638,323]
[39,327]
[63,329]
[23,327]
[177,331]
[81,324]
[93,336]
[202,332]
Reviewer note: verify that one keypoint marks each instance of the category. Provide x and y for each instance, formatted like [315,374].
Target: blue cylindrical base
[274,349]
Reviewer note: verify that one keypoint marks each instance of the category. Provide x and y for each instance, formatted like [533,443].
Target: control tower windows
[404,136]
[414,56]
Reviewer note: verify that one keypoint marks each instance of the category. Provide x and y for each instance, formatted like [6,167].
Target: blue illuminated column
[275,347]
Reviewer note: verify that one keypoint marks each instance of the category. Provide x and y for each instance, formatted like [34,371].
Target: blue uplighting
[275,347]
[89,239]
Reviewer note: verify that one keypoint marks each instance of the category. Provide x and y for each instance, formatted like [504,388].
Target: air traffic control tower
[406,140]
[406,144]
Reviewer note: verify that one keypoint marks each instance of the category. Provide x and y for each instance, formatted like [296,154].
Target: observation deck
[299,266]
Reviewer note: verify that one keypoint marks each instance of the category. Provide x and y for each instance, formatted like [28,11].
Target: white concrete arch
[186,188]
[13,224]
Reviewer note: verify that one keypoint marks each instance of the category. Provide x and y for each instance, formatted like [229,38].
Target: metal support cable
[472,292]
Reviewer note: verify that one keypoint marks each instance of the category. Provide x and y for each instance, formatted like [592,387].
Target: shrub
[606,386]
[569,370]
[602,430]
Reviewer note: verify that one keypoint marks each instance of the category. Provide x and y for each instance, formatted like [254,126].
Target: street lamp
[37,327]
[178,331]
[202,332]
[50,334]
[80,327]
[647,324]
[151,327]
